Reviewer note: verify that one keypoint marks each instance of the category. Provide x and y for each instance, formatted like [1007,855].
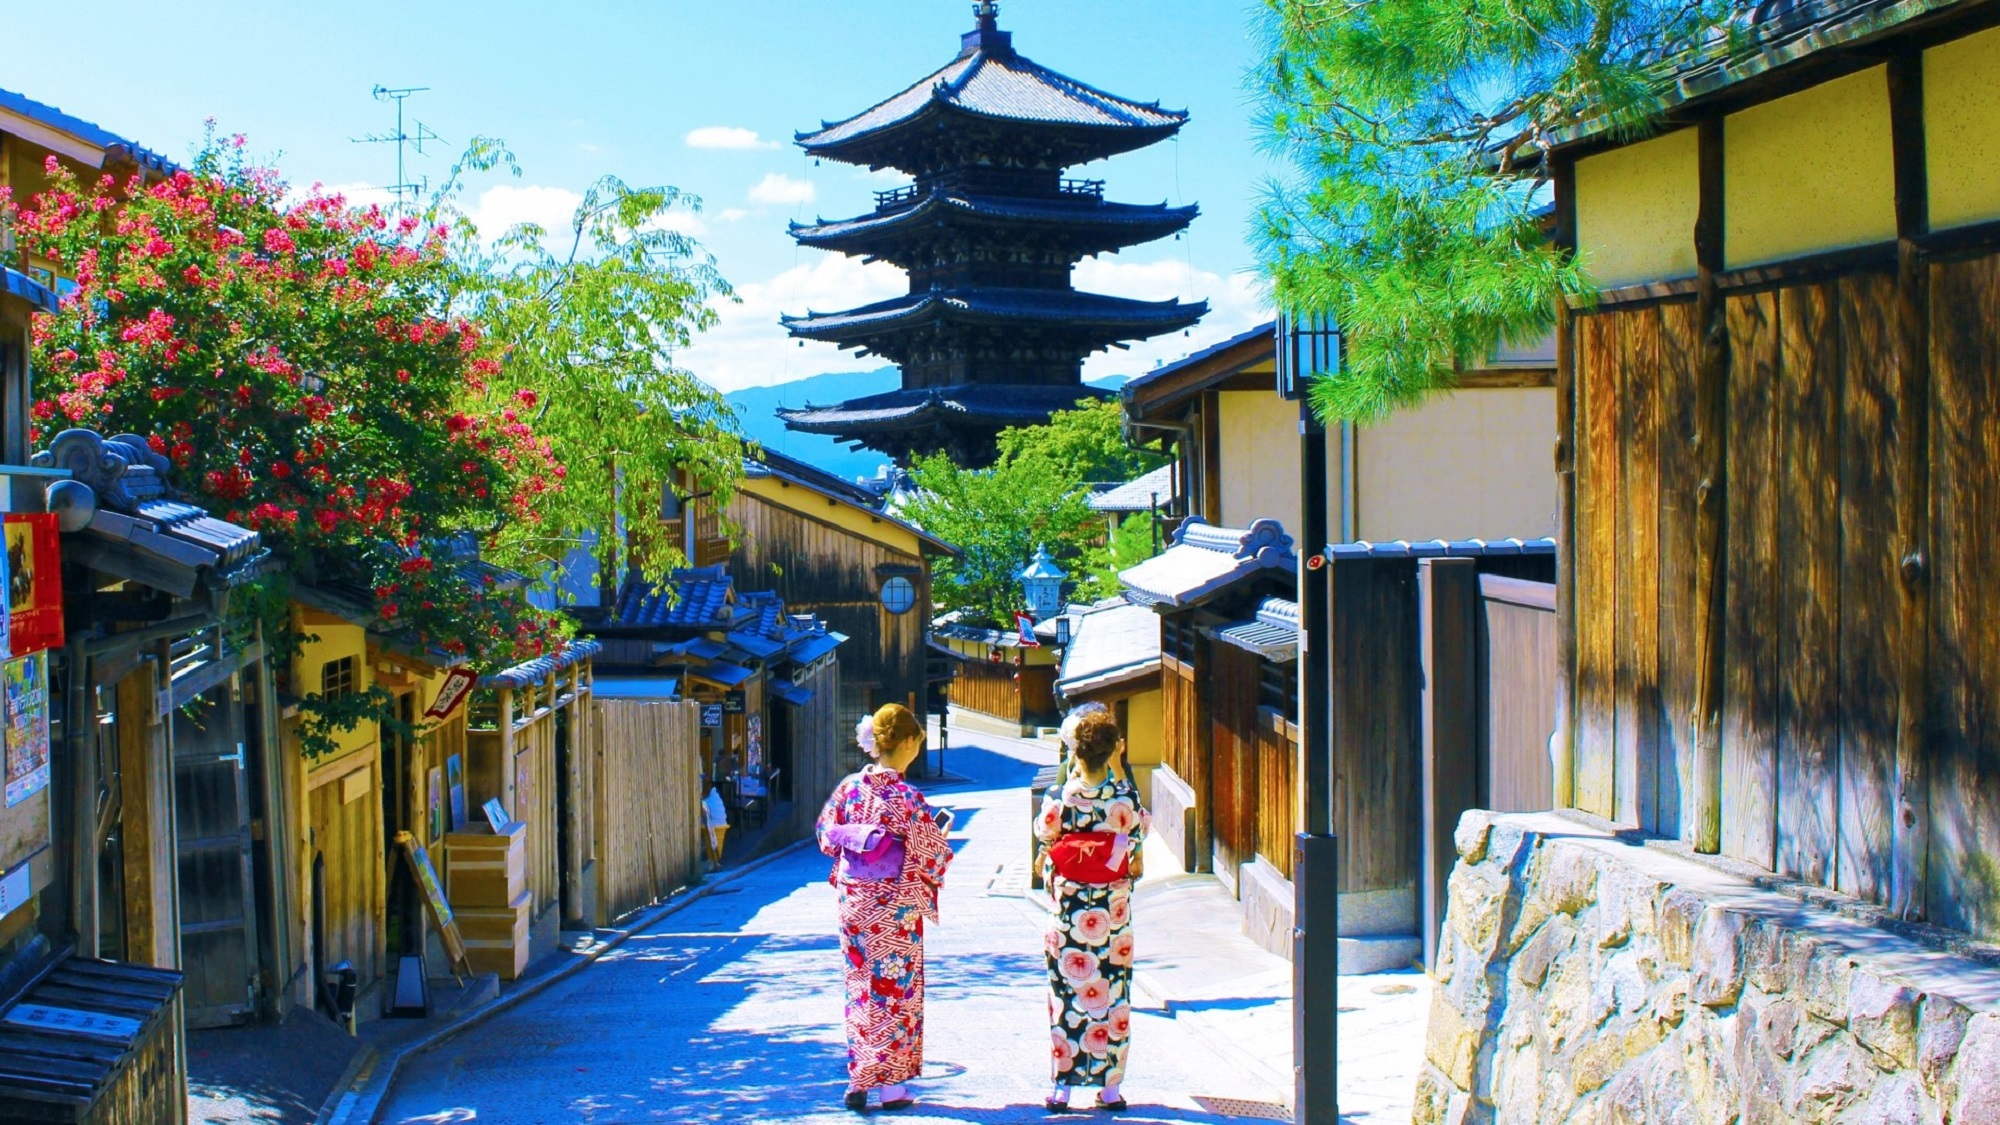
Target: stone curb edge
[358,1097]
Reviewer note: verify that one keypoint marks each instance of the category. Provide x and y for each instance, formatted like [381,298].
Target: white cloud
[749,348]
[680,221]
[733,215]
[727,137]
[1236,304]
[503,207]
[780,189]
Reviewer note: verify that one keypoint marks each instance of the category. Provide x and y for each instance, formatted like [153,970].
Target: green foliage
[590,330]
[1036,494]
[1416,129]
[1128,546]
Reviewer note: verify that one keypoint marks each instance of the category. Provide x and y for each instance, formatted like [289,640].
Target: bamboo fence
[649,831]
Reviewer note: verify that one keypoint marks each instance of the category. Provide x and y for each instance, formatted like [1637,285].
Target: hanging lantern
[1041,585]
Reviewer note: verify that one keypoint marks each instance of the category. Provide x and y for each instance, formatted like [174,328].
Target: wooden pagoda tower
[991,333]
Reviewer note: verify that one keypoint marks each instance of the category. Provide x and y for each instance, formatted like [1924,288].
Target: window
[336,678]
[899,594]
[670,503]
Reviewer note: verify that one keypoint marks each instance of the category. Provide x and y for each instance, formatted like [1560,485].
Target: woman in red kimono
[890,857]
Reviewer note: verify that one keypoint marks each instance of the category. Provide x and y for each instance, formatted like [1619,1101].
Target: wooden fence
[1023,695]
[650,836]
[1839,609]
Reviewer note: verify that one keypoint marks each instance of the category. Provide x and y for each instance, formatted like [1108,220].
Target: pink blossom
[1121,1022]
[1121,909]
[1120,818]
[1097,1040]
[1077,966]
[1120,953]
[1094,996]
[277,241]
[1061,1051]
[1091,926]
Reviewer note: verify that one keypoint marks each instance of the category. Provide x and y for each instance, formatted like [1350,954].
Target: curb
[357,1098]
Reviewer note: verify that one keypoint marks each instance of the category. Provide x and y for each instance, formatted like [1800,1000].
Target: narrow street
[728,1010]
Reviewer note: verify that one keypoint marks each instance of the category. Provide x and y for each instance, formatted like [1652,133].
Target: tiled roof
[91,134]
[701,597]
[721,672]
[542,667]
[998,405]
[1438,548]
[1273,633]
[791,693]
[1137,495]
[990,80]
[1086,314]
[1090,221]
[1205,560]
[768,463]
[1110,646]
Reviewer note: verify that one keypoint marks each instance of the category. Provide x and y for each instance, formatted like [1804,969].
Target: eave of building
[1089,315]
[68,136]
[860,520]
[994,405]
[1167,388]
[1089,227]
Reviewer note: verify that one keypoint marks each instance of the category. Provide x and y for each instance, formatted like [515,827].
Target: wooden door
[1234,736]
[347,830]
[218,918]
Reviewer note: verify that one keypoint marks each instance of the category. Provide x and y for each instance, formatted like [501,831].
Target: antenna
[403,189]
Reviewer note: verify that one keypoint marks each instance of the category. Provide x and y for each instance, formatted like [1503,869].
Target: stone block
[1941,1024]
[1567,881]
[1530,966]
[1596,1061]
[1679,913]
[1451,1043]
[1438,1102]
[1828,969]
[1471,834]
[1882,1015]
[1358,956]
[1718,958]
[1478,900]
[1899,1099]
[1836,1076]
[1975,1077]
[1759,1073]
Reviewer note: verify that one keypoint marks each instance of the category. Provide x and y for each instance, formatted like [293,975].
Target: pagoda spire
[987,36]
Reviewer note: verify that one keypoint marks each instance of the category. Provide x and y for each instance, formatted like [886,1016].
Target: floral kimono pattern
[882,925]
[1090,937]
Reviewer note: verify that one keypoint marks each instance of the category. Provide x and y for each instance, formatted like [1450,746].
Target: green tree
[1036,494]
[590,330]
[1416,129]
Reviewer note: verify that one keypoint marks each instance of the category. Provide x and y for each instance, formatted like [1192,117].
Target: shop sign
[91,1025]
[711,715]
[457,685]
[24,692]
[732,704]
[34,583]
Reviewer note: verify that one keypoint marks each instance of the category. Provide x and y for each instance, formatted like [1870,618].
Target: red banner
[1026,625]
[457,685]
[34,583]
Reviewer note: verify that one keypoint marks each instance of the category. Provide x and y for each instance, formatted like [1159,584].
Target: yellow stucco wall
[1260,459]
[1962,129]
[1145,740]
[1635,210]
[842,515]
[1472,465]
[1810,172]
[332,643]
[973,650]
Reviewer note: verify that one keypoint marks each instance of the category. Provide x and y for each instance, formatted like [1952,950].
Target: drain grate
[1243,1107]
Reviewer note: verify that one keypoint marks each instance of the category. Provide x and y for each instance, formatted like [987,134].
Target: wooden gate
[346,824]
[218,894]
[1235,739]
[649,833]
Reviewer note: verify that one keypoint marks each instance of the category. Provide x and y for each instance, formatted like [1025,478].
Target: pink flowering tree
[295,358]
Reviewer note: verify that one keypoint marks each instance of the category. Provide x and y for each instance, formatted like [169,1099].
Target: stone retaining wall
[1589,978]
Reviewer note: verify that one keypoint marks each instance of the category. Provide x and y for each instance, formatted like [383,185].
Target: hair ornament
[864,735]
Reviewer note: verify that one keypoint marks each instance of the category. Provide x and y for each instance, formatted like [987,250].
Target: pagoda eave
[1111,318]
[1056,144]
[964,406]
[1085,228]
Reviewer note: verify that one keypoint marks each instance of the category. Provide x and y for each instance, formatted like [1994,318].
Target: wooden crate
[484,871]
[496,941]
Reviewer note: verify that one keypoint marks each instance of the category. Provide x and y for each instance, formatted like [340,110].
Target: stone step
[1359,955]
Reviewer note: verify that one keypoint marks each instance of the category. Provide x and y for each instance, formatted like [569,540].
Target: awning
[791,693]
[1272,634]
[721,673]
[763,648]
[636,687]
[814,647]
[1205,560]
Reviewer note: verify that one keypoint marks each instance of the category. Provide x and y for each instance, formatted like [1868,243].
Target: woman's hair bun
[894,724]
[1096,738]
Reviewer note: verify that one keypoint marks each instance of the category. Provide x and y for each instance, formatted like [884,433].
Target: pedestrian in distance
[890,855]
[1093,829]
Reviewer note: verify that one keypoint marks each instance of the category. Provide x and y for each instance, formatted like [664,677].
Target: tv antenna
[405,191]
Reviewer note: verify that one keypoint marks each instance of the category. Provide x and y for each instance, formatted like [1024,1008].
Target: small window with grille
[1278,689]
[337,678]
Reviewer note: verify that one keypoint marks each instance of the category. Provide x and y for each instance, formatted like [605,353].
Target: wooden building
[998,680]
[826,546]
[1778,436]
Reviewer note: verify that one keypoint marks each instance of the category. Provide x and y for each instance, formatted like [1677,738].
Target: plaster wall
[1471,465]
[1962,129]
[325,644]
[1635,210]
[1810,172]
[1260,459]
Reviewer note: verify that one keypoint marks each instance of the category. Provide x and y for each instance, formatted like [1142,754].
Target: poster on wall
[33,583]
[454,780]
[437,805]
[24,684]
[753,749]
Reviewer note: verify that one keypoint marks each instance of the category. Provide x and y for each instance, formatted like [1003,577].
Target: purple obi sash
[867,851]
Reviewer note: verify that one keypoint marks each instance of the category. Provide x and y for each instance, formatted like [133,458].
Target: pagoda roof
[1088,222]
[1112,317]
[963,405]
[989,81]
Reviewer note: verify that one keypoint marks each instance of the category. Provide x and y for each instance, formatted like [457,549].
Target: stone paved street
[727,1010]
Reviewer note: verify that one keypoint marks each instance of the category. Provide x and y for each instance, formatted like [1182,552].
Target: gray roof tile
[1204,560]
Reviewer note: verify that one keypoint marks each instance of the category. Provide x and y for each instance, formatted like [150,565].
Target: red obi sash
[1085,857]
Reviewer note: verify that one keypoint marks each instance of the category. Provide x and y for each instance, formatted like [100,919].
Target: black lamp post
[1308,347]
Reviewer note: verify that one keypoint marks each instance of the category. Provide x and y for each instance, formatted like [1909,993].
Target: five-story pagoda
[991,333]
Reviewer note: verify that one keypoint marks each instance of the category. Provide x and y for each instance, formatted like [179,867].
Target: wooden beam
[1910,831]
[1448,604]
[1703,803]
[1502,378]
[1565,466]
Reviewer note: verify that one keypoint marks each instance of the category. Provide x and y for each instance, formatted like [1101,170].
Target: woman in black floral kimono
[1093,828]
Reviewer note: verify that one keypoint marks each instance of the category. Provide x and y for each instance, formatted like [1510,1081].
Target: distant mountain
[757,410]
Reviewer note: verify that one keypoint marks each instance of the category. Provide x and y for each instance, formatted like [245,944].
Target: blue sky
[700,94]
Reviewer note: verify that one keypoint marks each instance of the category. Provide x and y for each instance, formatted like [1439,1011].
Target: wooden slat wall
[1964,880]
[1182,718]
[349,835]
[1818,404]
[649,834]
[1235,736]
[1276,819]
[1376,726]
[988,688]
[1518,663]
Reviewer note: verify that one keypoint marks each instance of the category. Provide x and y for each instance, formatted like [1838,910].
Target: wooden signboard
[457,685]
[427,881]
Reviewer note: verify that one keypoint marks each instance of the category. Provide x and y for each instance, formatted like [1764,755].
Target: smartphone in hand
[943,818]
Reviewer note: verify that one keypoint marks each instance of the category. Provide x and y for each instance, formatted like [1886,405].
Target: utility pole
[406,192]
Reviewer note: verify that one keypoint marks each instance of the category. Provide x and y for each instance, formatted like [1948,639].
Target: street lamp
[1041,585]
[1309,347]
